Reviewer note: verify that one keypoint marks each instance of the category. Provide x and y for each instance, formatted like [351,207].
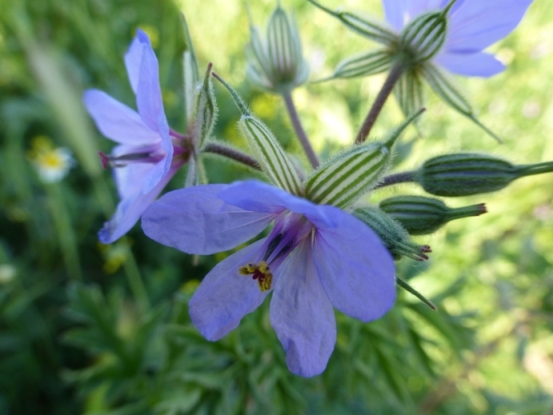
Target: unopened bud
[465,174]
[347,176]
[278,63]
[421,215]
[393,236]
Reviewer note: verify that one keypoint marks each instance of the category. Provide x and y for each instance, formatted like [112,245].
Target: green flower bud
[278,63]
[421,215]
[465,174]
[347,176]
[269,154]
[392,234]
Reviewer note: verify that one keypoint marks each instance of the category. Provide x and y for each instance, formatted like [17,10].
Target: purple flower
[316,257]
[145,159]
[473,26]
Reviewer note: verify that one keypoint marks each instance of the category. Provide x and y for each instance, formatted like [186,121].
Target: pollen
[259,272]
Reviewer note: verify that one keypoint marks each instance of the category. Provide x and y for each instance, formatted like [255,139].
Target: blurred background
[98,329]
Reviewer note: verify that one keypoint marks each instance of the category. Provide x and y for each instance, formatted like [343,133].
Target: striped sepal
[348,176]
[257,77]
[259,51]
[283,46]
[270,155]
[363,25]
[368,63]
[424,36]
[205,111]
[409,93]
[191,75]
[445,88]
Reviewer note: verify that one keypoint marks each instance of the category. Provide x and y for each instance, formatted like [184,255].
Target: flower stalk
[298,128]
[231,153]
[393,76]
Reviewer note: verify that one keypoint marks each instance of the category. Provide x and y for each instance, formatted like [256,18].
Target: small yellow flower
[51,163]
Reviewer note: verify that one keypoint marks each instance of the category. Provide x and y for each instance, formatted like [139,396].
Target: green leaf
[407,287]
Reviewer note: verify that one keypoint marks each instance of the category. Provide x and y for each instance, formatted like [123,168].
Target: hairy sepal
[409,93]
[346,177]
[394,237]
[190,72]
[270,155]
[205,113]
[446,89]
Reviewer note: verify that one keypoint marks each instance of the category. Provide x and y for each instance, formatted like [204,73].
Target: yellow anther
[260,272]
[263,268]
[265,282]
[247,269]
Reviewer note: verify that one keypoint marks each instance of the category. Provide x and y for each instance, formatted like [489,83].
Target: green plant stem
[466,211]
[531,169]
[385,91]
[136,284]
[298,128]
[66,236]
[231,153]
[403,177]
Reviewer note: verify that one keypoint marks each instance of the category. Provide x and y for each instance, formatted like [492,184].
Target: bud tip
[482,208]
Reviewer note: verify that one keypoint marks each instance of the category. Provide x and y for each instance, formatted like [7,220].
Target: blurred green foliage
[93,329]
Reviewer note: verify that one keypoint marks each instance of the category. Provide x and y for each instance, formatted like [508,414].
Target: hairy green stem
[531,169]
[403,177]
[231,153]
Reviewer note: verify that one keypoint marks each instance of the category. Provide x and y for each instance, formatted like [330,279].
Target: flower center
[289,231]
[260,272]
